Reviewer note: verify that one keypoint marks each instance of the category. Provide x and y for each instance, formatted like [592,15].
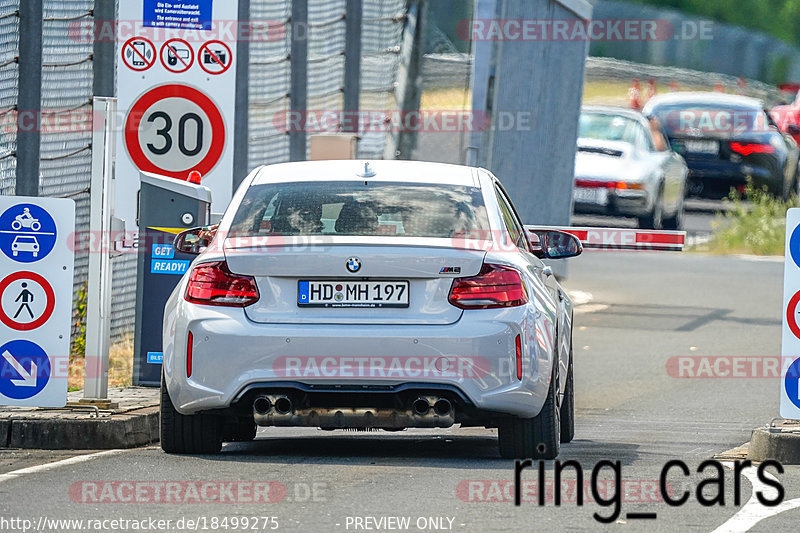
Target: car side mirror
[194,240]
[552,244]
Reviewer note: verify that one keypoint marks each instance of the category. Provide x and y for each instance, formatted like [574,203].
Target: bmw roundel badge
[354,264]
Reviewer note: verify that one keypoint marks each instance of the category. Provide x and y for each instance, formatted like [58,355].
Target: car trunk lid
[428,265]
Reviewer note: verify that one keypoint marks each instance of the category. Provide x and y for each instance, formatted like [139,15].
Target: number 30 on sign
[174,129]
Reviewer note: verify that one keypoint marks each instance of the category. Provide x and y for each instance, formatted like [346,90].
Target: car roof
[611,110]
[353,170]
[616,111]
[713,98]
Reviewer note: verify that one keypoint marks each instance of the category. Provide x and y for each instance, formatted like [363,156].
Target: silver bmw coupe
[369,295]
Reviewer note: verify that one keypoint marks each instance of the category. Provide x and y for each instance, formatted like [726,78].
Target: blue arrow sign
[24,369]
[27,233]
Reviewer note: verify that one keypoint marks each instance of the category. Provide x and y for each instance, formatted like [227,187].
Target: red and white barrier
[623,238]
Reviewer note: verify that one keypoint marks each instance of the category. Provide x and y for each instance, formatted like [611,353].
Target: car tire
[653,219]
[195,434]
[240,431]
[674,222]
[568,405]
[535,438]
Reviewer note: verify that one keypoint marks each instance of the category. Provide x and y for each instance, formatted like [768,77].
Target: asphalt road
[699,216]
[645,309]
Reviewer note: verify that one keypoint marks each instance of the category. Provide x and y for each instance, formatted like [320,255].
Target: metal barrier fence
[446,86]
[67,87]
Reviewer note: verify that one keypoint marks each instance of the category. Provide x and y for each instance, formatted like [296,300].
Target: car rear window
[361,209]
[606,127]
[708,119]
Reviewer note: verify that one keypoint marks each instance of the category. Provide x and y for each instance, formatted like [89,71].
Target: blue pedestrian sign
[24,369]
[27,233]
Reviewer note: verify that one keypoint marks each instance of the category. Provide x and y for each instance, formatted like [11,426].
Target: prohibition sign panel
[177,55]
[215,57]
[174,129]
[138,53]
[27,301]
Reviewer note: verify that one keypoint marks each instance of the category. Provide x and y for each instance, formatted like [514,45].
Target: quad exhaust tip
[283,405]
[264,404]
[440,406]
[424,411]
[421,406]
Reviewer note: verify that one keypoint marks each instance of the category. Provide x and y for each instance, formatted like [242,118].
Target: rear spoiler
[622,238]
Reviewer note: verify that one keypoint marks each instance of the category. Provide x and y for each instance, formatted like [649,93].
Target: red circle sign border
[200,61]
[48,310]
[129,41]
[791,309]
[161,55]
[161,92]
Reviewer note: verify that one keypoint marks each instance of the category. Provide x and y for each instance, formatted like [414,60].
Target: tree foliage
[779,18]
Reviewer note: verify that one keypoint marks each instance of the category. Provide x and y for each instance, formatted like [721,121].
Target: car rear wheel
[243,430]
[538,437]
[674,222]
[653,219]
[568,406]
[200,434]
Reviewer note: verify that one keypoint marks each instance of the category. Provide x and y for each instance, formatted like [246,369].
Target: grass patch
[446,99]
[757,226]
[595,92]
[120,366]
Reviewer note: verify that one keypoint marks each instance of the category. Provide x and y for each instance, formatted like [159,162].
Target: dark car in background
[726,140]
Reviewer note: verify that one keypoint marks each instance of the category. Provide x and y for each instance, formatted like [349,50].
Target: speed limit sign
[174,129]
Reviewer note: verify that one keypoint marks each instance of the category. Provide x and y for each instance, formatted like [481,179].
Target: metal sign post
[101,221]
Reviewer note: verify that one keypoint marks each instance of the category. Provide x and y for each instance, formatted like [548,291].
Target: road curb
[123,430]
[772,443]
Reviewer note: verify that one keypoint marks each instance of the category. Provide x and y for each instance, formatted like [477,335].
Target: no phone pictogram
[138,53]
[174,129]
[27,301]
[215,57]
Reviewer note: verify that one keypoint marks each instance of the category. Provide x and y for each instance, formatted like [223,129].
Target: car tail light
[519,359]
[592,184]
[752,148]
[214,284]
[189,342]
[495,286]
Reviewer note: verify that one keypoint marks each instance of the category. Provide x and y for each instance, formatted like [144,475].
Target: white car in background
[369,295]
[625,167]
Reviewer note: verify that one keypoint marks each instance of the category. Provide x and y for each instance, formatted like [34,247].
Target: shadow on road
[442,451]
[668,317]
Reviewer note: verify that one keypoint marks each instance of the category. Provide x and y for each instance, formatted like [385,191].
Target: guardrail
[623,238]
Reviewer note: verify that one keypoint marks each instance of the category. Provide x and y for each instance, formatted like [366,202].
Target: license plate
[702,147]
[584,195]
[352,293]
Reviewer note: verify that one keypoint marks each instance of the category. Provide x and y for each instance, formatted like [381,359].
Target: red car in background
[787,117]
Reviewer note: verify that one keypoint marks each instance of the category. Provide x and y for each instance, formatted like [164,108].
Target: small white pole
[98,295]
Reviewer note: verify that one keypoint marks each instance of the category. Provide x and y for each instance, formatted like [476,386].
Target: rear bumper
[629,203]
[715,178]
[475,356]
